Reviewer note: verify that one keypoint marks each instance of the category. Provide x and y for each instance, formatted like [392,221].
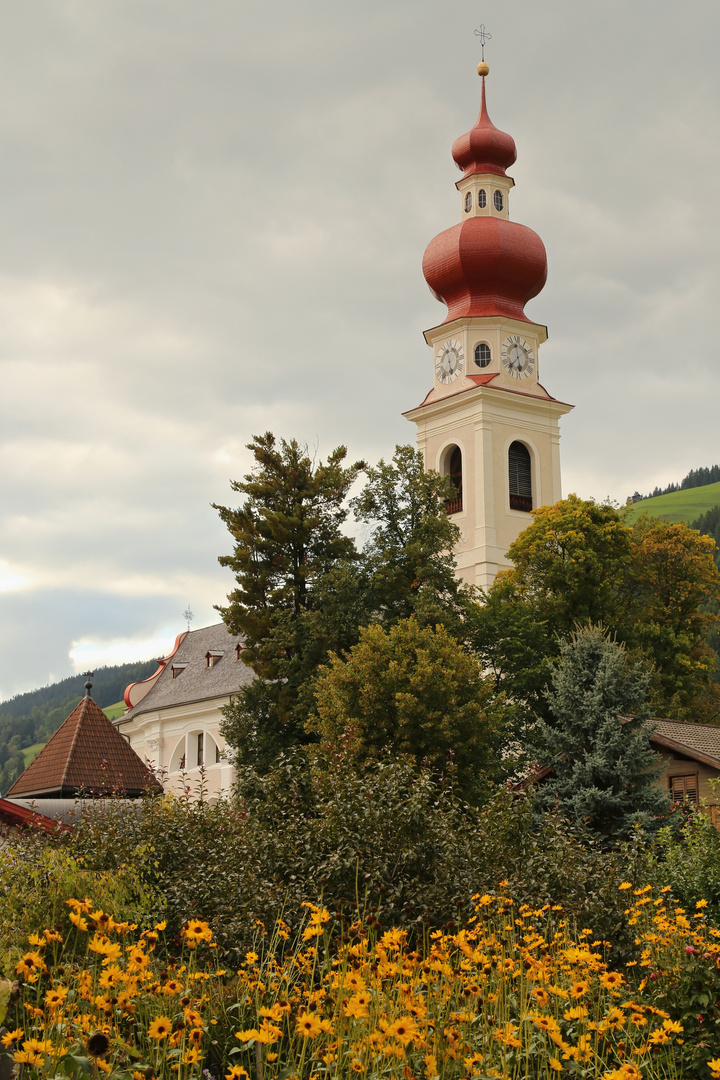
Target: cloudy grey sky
[213,215]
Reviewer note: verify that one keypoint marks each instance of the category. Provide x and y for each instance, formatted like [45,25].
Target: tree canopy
[411,690]
[580,561]
[304,590]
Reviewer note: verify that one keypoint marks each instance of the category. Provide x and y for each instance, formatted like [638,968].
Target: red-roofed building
[86,755]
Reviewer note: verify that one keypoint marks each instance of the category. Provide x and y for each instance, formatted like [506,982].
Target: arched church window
[498,200]
[520,477]
[468,201]
[483,356]
[453,469]
[482,198]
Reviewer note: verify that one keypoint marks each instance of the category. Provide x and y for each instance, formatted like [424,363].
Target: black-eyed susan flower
[308,1025]
[160,1028]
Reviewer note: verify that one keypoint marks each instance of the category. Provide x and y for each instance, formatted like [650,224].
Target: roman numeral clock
[487,422]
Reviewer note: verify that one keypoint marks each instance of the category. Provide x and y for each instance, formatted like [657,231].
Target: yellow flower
[611,980]
[160,1028]
[31,964]
[578,989]
[196,930]
[554,1064]
[714,1067]
[625,885]
[77,920]
[236,1072]
[12,1036]
[103,1064]
[357,1006]
[673,1026]
[659,1037]
[404,1029]
[308,1025]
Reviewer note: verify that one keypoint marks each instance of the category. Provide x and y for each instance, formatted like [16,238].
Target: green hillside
[688,504]
[113,711]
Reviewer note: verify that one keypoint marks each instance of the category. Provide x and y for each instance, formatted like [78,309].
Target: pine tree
[597,738]
[288,545]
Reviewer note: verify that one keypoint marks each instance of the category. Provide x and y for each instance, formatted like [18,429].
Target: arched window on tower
[482,199]
[468,201]
[520,477]
[453,469]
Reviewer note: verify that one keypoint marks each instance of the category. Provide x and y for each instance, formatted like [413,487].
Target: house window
[200,749]
[238,650]
[468,201]
[482,199]
[684,788]
[177,670]
[454,470]
[212,658]
[498,200]
[520,477]
[483,356]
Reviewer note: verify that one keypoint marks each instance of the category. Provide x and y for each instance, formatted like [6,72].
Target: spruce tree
[597,738]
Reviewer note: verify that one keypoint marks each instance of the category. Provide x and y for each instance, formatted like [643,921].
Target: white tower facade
[488,422]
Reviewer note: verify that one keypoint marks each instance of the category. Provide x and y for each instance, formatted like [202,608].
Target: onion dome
[484,149]
[485,266]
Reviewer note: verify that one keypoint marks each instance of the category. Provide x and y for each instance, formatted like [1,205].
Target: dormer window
[498,200]
[468,201]
[482,198]
[177,670]
[238,651]
[212,658]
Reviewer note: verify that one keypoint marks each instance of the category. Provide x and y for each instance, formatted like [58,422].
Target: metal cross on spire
[188,616]
[484,36]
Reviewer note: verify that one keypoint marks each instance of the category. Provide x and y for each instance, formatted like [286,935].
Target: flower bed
[515,993]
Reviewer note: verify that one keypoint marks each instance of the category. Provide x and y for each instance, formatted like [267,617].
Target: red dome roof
[484,149]
[485,266]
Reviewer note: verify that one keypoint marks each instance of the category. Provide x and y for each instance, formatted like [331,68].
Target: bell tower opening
[520,477]
[453,468]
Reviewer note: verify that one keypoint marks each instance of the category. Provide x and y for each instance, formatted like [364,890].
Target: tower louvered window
[520,477]
[455,505]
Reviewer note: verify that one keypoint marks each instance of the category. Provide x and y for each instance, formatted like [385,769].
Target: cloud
[213,218]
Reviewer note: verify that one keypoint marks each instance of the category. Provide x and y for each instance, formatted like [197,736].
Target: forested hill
[31,718]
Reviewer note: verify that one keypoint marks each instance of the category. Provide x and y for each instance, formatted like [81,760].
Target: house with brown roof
[691,765]
[86,756]
[691,759]
[173,717]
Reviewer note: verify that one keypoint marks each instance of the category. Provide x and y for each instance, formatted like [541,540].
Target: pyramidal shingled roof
[86,754]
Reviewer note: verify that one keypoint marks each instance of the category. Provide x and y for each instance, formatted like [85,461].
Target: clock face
[449,361]
[517,357]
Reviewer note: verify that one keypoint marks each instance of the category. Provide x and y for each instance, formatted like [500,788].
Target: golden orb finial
[483,69]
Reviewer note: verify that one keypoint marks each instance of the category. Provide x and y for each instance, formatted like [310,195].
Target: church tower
[487,422]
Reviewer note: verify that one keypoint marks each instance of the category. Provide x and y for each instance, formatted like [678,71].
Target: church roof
[484,149]
[86,754]
[187,676]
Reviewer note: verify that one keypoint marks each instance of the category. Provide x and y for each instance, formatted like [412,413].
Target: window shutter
[520,477]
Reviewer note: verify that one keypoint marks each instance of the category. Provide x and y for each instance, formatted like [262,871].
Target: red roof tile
[86,753]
